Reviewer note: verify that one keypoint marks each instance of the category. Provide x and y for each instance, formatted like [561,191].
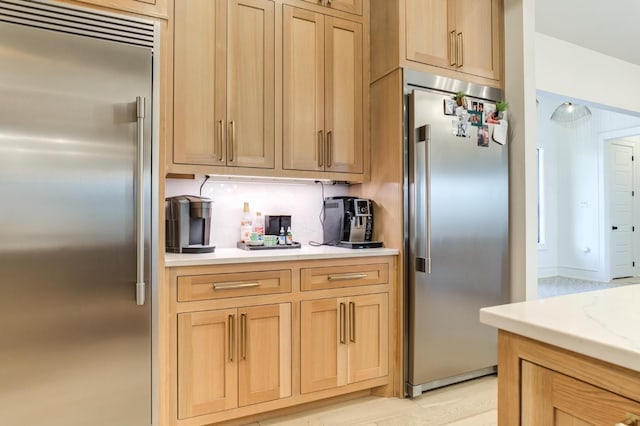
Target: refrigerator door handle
[140,284]
[423,164]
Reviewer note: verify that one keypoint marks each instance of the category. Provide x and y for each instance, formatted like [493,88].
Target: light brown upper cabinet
[224,83]
[460,39]
[351,6]
[322,92]
[459,34]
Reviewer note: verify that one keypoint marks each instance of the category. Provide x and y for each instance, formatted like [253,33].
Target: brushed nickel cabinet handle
[452,48]
[320,150]
[460,51]
[352,322]
[220,139]
[234,284]
[329,148]
[243,335]
[232,336]
[343,330]
[231,139]
[342,277]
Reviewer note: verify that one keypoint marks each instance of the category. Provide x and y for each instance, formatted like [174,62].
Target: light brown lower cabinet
[231,358]
[544,385]
[245,341]
[343,340]
[554,399]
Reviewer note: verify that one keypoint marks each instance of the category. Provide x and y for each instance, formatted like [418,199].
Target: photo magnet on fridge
[483,136]
[475,118]
[450,106]
[460,128]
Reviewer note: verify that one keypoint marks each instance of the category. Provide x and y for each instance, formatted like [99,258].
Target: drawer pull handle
[233,285]
[343,277]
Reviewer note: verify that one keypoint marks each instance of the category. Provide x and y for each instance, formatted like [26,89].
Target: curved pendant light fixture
[569,114]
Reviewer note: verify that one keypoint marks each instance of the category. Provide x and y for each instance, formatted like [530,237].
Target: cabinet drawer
[217,286]
[343,276]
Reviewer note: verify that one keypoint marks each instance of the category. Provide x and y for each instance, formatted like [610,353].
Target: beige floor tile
[489,418]
[471,403]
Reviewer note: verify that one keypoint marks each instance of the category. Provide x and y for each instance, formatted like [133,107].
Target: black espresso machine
[188,224]
[348,222]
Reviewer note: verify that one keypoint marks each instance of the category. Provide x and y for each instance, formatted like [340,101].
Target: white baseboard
[582,274]
[547,271]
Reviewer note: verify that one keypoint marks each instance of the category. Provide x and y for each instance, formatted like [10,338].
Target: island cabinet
[323,92]
[224,83]
[461,39]
[543,385]
[248,339]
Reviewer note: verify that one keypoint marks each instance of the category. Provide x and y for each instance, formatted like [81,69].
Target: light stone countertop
[234,255]
[602,324]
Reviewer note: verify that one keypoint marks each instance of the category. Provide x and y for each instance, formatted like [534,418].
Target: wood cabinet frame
[514,351]
[384,383]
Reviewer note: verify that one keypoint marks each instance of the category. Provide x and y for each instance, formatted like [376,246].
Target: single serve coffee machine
[188,224]
[348,222]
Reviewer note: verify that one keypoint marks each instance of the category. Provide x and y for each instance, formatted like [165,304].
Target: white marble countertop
[234,255]
[602,324]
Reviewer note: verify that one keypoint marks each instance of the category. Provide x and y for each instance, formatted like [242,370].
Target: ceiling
[609,27]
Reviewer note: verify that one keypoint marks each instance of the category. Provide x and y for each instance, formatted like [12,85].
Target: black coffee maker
[348,222]
[188,224]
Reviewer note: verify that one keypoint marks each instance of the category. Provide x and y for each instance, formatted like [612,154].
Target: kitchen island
[569,360]
[249,334]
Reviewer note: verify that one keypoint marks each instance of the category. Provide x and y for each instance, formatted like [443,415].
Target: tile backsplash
[301,200]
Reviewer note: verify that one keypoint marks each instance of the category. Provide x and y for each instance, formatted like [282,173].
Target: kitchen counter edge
[224,256]
[600,324]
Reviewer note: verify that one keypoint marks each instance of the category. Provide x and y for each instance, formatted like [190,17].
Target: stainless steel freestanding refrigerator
[457,224]
[75,217]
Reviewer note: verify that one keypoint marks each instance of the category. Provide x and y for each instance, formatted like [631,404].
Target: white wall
[574,200]
[303,201]
[567,69]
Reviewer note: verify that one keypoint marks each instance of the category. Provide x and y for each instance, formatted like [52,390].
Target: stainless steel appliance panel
[75,346]
[458,224]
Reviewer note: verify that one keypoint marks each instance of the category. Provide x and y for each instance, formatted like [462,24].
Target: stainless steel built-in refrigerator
[75,217]
[457,223]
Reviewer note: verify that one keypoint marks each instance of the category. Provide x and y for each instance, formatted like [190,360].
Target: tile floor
[471,403]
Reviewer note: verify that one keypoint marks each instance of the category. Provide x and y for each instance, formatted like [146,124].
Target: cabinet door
[264,366]
[207,367]
[479,31]
[199,102]
[323,340]
[551,398]
[343,95]
[430,32]
[251,84]
[368,337]
[303,90]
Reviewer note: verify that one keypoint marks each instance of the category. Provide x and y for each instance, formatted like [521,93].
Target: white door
[620,190]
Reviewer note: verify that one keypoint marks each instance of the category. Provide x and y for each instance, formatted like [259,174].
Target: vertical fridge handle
[423,140]
[140,284]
